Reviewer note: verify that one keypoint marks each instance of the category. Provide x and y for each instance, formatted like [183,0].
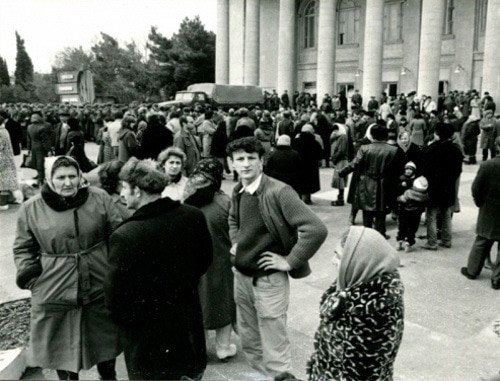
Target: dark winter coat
[470,133]
[377,164]
[37,143]
[128,145]
[413,153]
[284,164]
[16,135]
[219,141]
[216,286]
[486,194]
[155,139]
[310,153]
[441,165]
[158,257]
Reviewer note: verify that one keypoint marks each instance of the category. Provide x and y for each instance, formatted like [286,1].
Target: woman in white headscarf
[61,255]
[361,314]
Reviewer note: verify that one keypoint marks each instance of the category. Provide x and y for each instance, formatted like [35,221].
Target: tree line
[121,71]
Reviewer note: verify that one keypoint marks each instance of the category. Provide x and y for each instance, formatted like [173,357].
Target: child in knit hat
[412,204]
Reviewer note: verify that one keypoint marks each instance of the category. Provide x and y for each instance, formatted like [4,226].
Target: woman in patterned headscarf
[216,286]
[361,314]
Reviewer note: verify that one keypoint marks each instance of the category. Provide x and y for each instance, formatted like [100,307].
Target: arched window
[308,21]
[348,19]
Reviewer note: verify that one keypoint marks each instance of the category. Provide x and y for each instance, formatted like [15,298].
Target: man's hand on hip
[272,261]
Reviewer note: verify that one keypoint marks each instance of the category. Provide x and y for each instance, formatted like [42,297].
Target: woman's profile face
[65,181]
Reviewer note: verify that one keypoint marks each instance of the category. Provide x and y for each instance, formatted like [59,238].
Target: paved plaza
[448,318]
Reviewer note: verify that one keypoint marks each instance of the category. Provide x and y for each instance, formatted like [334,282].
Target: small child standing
[412,204]
[406,179]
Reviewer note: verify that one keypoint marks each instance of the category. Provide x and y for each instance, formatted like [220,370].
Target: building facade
[325,46]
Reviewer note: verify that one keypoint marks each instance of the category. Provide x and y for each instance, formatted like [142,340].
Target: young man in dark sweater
[273,234]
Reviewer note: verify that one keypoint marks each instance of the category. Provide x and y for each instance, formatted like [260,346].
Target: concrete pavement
[448,319]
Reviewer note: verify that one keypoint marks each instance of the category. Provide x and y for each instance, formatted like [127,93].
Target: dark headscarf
[204,182]
[55,200]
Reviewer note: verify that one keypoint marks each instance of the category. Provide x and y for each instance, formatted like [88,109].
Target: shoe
[337,203]
[408,247]
[429,247]
[225,352]
[386,236]
[446,245]
[466,274]
[495,285]
[400,246]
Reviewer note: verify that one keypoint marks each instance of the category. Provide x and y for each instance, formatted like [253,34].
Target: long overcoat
[488,128]
[377,164]
[441,166]
[486,194]
[70,327]
[38,143]
[216,286]
[158,256]
[310,153]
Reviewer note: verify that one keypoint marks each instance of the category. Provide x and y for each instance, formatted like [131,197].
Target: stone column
[286,47]
[236,41]
[252,28]
[222,43]
[430,47]
[491,63]
[373,50]
[325,80]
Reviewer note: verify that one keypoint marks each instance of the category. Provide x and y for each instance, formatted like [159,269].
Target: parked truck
[216,95]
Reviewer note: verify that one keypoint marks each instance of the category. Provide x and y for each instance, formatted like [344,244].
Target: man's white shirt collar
[253,186]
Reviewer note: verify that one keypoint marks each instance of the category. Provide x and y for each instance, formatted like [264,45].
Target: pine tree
[4,73]
[24,67]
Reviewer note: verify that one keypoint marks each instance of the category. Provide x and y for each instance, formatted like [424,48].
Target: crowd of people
[115,269]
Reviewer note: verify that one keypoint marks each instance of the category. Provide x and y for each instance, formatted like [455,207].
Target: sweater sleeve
[311,231]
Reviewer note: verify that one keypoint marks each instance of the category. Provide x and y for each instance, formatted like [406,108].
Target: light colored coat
[8,173]
[70,326]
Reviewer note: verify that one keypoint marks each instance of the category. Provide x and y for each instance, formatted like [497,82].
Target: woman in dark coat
[310,153]
[470,133]
[361,314]
[38,144]
[216,286]
[76,144]
[155,138]
[408,151]
[284,163]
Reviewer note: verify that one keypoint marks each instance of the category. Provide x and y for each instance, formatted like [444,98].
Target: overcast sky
[48,26]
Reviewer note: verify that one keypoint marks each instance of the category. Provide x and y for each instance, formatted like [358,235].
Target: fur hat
[411,165]
[420,183]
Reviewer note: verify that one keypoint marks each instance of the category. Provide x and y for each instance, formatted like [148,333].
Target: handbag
[27,161]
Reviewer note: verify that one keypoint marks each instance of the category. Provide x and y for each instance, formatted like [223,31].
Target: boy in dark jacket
[412,204]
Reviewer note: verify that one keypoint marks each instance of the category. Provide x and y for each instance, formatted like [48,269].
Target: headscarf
[53,199]
[366,255]
[307,128]
[342,128]
[400,143]
[368,133]
[204,182]
[283,140]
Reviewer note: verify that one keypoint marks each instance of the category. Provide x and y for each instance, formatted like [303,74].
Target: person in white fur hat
[412,204]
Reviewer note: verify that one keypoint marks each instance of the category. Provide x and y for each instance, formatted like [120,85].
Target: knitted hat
[411,165]
[420,183]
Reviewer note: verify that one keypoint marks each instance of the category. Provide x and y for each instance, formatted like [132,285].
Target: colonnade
[432,15]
